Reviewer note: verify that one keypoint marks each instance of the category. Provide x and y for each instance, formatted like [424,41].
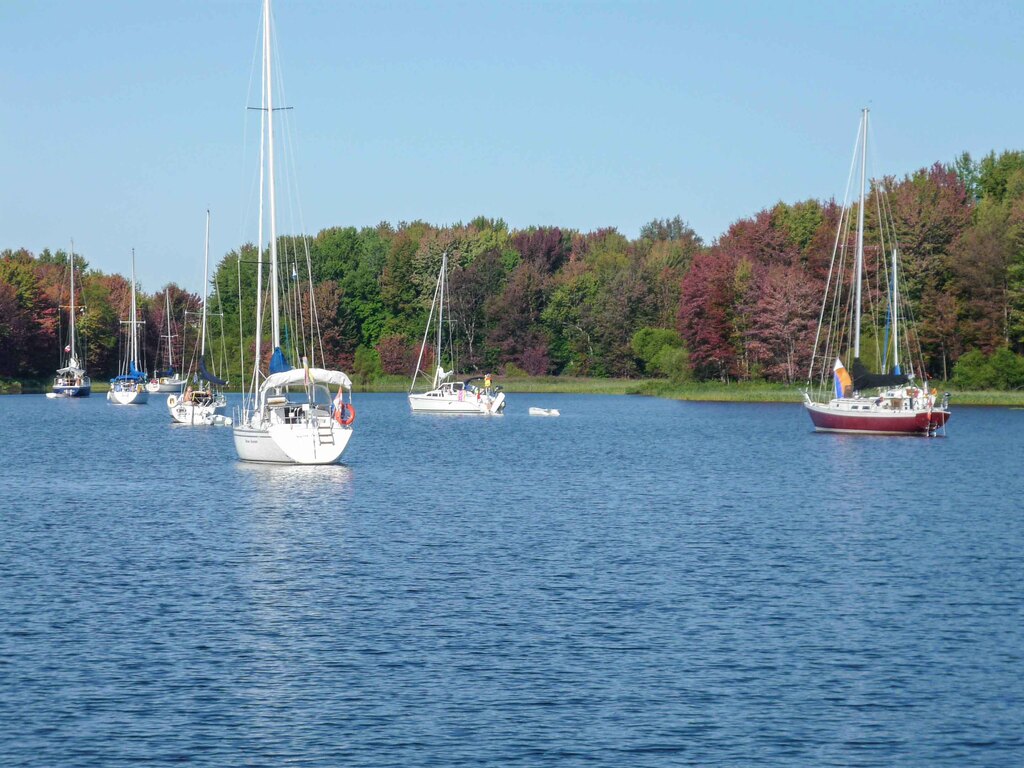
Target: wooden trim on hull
[877,423]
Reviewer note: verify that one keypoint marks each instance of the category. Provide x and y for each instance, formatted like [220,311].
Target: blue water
[636,583]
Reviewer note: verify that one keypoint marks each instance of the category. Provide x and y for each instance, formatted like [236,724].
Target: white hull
[320,442]
[195,414]
[544,412]
[433,402]
[165,385]
[138,396]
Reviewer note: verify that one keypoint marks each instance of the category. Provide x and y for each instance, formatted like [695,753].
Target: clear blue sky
[122,121]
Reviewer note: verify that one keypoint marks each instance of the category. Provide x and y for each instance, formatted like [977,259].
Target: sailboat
[203,403]
[445,395]
[898,400]
[129,388]
[71,379]
[288,415]
[167,380]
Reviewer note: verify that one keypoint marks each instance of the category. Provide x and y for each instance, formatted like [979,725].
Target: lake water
[639,582]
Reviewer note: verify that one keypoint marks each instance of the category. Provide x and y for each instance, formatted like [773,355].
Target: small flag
[305,369]
[338,400]
[67,348]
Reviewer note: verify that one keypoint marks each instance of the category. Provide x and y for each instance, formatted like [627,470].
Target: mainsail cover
[865,379]
[207,376]
[278,363]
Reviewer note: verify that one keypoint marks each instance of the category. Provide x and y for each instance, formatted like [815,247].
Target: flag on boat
[67,348]
[842,378]
[305,370]
[338,400]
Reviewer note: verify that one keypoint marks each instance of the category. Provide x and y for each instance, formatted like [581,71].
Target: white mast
[167,311]
[895,311]
[73,360]
[440,315]
[274,308]
[860,232]
[133,358]
[206,286]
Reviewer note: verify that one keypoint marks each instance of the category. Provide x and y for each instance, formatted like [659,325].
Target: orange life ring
[341,418]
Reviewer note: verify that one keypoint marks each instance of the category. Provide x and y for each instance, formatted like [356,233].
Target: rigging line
[846,198]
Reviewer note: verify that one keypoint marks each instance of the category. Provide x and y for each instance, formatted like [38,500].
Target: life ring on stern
[340,414]
[172,400]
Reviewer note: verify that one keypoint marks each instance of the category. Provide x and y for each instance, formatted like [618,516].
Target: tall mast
[895,311]
[73,358]
[167,311]
[133,359]
[440,305]
[274,308]
[206,286]
[860,232]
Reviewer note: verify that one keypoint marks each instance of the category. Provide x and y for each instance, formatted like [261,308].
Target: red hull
[877,423]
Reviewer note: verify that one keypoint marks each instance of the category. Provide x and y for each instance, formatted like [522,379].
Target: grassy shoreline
[737,392]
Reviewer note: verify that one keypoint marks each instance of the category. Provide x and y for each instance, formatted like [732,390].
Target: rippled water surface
[636,583]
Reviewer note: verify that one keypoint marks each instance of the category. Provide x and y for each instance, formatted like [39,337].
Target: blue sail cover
[168,373]
[133,374]
[207,376]
[277,362]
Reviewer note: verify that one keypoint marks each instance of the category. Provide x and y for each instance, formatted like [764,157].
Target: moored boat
[444,396]
[898,400]
[71,379]
[288,415]
[129,387]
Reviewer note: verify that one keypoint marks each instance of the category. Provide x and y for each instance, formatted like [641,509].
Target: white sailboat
[71,379]
[896,401]
[168,380]
[201,404]
[443,395]
[129,388]
[288,414]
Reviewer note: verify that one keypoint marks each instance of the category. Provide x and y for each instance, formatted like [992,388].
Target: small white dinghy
[544,412]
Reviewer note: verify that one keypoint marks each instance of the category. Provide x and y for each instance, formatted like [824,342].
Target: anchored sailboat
[168,380]
[200,404]
[898,400]
[71,379]
[129,388]
[288,415]
[444,396]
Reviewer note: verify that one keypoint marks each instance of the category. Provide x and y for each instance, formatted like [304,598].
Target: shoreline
[714,392]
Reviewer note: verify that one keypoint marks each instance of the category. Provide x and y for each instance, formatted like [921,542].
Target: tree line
[554,301]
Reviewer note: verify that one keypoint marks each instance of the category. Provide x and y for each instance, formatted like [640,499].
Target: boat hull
[876,422]
[429,403]
[83,390]
[291,443]
[128,396]
[172,385]
[195,414]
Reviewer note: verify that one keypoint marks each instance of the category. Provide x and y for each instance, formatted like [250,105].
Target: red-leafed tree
[784,318]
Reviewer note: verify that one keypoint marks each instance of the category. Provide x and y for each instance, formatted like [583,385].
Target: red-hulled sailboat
[896,402]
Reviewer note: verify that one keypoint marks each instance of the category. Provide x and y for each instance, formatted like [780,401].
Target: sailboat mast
[133,357]
[73,303]
[440,307]
[274,308]
[206,286]
[895,311]
[167,311]
[860,233]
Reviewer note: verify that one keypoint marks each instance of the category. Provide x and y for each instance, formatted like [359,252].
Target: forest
[551,301]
